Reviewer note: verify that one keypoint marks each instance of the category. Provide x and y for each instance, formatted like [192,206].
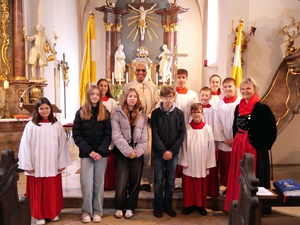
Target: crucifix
[175,56]
[64,66]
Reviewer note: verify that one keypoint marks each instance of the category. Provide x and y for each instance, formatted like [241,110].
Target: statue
[290,32]
[120,64]
[165,64]
[142,24]
[37,54]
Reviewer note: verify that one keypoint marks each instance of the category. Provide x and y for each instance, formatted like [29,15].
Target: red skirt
[194,191]
[241,145]
[45,195]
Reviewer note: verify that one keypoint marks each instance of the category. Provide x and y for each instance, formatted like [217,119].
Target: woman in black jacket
[254,131]
[92,135]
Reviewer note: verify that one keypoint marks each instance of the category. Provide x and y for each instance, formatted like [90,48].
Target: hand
[167,155]
[228,142]
[29,171]
[61,169]
[95,156]
[133,154]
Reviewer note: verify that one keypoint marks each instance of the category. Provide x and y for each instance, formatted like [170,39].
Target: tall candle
[6,85]
[126,78]
[156,78]
[112,78]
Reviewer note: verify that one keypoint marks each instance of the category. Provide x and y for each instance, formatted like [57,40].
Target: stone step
[145,201]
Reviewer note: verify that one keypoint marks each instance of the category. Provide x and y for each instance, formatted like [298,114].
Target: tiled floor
[71,216]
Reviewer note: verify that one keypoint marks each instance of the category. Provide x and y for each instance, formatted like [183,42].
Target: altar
[11,131]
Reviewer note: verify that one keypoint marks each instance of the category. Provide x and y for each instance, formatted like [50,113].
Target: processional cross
[64,66]
[175,55]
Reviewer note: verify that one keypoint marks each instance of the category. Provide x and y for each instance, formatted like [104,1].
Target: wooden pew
[248,209]
[13,211]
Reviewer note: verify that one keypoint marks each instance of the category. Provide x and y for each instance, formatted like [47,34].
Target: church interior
[200,36]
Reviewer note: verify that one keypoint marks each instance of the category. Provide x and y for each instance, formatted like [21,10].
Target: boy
[198,156]
[223,121]
[168,133]
[205,96]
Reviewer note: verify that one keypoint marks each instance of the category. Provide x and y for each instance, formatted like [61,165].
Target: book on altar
[287,187]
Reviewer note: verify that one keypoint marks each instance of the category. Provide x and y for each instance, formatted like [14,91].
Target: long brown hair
[135,113]
[86,110]
[36,117]
[108,93]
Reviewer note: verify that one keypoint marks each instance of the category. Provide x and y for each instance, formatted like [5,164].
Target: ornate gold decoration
[174,27]
[118,27]
[166,28]
[4,66]
[109,27]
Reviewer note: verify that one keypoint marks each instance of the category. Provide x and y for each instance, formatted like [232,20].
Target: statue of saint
[142,24]
[37,54]
[165,64]
[120,64]
[290,32]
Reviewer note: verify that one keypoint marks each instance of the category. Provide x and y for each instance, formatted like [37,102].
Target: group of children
[188,129]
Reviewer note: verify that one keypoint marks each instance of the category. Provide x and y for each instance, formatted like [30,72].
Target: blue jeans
[164,170]
[92,184]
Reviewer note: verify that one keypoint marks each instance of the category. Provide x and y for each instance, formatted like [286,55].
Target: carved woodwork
[12,210]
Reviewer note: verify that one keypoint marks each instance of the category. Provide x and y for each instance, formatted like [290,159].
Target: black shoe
[158,213]
[201,211]
[170,212]
[188,210]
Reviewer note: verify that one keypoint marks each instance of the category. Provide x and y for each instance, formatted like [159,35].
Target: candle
[120,79]
[126,78]
[205,62]
[112,78]
[6,85]
[156,78]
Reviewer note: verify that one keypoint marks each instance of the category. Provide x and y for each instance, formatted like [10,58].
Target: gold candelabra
[6,88]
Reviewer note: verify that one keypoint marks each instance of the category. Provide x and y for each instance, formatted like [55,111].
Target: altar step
[145,201]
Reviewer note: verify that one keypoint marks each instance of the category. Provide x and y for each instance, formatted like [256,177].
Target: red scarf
[44,121]
[197,126]
[246,108]
[215,92]
[230,100]
[105,98]
[206,106]
[182,90]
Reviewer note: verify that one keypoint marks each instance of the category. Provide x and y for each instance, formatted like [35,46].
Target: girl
[44,154]
[110,104]
[215,84]
[92,135]
[130,136]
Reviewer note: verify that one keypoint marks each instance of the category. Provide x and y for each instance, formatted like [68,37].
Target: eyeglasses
[168,97]
[198,112]
[140,70]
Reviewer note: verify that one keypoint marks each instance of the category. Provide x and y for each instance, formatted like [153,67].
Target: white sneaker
[96,218]
[128,214]
[85,218]
[55,219]
[41,221]
[119,214]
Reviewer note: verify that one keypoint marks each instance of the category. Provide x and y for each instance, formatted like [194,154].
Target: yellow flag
[88,69]
[237,63]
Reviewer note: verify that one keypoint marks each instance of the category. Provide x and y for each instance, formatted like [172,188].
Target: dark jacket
[168,130]
[261,125]
[92,135]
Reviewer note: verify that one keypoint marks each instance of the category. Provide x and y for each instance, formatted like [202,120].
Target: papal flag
[88,68]
[237,63]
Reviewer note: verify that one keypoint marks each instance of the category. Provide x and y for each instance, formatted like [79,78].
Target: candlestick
[112,78]
[126,78]
[6,85]
[156,78]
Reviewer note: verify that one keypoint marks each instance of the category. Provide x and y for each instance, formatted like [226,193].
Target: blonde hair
[250,80]
[86,110]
